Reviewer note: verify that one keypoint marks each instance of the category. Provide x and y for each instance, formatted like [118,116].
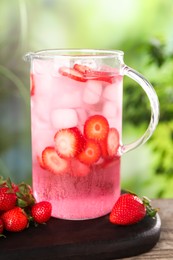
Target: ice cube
[64,118]
[41,138]
[41,106]
[92,92]
[109,109]
[68,100]
[42,84]
[82,115]
[66,93]
[113,92]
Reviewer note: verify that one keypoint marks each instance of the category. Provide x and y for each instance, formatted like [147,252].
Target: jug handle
[154,104]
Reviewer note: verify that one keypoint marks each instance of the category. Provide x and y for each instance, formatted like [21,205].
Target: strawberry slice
[82,68]
[112,142]
[91,153]
[103,147]
[96,127]
[72,73]
[79,169]
[69,142]
[89,73]
[32,85]
[40,161]
[53,163]
[101,75]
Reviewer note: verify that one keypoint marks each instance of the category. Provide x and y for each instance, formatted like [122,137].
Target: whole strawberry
[7,199]
[15,220]
[1,226]
[130,209]
[41,211]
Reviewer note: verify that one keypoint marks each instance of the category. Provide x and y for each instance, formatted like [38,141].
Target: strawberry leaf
[2,235]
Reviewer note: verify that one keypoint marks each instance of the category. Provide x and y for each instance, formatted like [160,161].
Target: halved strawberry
[53,163]
[96,127]
[89,73]
[72,73]
[112,142]
[91,153]
[68,142]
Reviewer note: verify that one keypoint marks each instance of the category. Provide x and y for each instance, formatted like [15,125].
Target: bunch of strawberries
[18,207]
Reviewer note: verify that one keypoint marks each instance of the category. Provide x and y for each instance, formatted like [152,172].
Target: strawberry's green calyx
[25,197]
[150,211]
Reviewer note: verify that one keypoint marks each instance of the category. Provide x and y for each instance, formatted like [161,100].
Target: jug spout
[28,56]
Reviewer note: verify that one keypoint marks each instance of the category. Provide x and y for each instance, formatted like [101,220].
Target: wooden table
[59,235]
[164,248]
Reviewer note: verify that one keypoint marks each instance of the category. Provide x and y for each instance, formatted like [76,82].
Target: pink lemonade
[76,114]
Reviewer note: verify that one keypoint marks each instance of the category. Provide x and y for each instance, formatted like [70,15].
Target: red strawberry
[41,211]
[68,142]
[7,199]
[53,163]
[96,127]
[112,142]
[89,73]
[91,153]
[15,220]
[72,73]
[1,226]
[130,209]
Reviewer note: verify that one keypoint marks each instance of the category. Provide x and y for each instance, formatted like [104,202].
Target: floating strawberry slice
[40,161]
[112,142]
[101,75]
[82,68]
[96,127]
[103,147]
[52,162]
[72,73]
[69,142]
[91,153]
[79,169]
[32,85]
[89,73]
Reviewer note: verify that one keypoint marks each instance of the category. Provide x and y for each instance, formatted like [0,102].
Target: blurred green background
[142,29]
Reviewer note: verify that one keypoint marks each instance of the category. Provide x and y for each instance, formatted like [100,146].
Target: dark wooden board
[87,239]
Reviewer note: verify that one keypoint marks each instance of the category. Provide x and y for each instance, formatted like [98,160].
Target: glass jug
[76,121]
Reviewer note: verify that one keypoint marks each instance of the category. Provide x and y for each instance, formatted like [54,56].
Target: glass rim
[73,53]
